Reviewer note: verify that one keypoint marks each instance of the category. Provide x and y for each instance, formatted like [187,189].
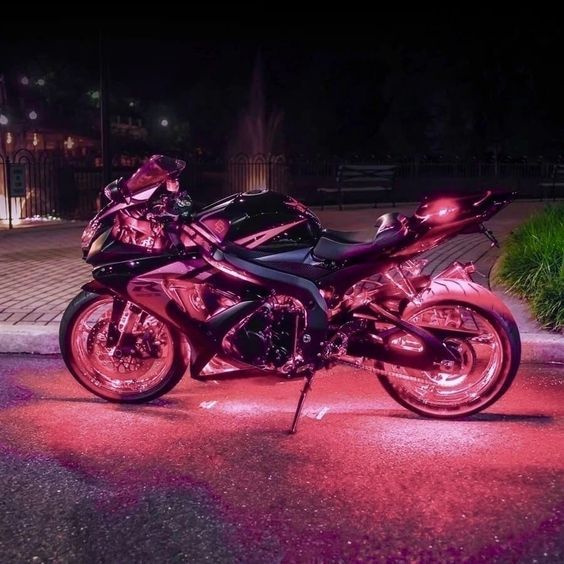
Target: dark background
[400,84]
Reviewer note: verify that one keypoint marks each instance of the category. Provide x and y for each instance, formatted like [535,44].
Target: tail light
[443,210]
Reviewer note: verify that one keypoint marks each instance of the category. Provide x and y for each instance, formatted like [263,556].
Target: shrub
[548,304]
[532,265]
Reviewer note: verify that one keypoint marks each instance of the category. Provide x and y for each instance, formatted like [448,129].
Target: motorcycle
[253,282]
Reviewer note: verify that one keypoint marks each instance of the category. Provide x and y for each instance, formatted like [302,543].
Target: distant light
[95,95]
[32,114]
[164,122]
[69,143]
[131,104]
[3,120]
[24,80]
[35,139]
[40,82]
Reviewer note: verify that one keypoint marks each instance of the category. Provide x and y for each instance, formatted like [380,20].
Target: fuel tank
[262,220]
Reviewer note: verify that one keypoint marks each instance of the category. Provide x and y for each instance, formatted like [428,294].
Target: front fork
[123,320]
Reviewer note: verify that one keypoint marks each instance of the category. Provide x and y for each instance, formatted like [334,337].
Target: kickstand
[305,390]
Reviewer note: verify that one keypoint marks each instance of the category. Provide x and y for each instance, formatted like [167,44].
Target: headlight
[89,233]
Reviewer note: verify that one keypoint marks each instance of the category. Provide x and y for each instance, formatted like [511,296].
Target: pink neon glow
[442,210]
[257,239]
[208,235]
[483,199]
[157,169]
[231,271]
[171,447]
[219,227]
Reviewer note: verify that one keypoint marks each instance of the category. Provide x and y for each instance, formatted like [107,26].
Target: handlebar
[171,207]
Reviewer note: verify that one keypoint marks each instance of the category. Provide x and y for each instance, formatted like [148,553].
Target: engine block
[268,338]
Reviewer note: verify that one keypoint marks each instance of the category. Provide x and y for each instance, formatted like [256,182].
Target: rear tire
[432,400]
[136,381]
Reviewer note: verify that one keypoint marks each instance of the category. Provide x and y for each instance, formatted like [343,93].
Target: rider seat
[338,246]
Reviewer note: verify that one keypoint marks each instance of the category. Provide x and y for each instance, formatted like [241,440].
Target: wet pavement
[208,473]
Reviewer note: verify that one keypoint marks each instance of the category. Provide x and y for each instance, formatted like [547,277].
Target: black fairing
[241,216]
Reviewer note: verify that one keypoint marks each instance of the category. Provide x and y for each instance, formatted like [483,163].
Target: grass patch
[532,265]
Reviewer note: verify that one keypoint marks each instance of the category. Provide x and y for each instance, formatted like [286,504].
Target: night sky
[399,84]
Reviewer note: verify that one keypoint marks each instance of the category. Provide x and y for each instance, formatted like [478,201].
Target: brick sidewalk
[40,272]
[41,269]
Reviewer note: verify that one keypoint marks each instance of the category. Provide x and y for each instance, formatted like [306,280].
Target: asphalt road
[82,480]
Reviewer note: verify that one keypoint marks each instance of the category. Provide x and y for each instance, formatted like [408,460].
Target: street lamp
[3,119]
[32,115]
[164,122]
[24,80]
[40,82]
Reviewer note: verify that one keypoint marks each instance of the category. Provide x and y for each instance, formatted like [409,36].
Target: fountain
[255,157]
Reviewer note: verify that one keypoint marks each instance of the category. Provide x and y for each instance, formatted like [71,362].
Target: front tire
[489,358]
[125,378]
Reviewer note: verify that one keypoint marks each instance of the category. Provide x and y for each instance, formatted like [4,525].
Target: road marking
[319,415]
[208,404]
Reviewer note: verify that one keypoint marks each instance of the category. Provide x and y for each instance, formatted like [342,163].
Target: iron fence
[55,187]
[256,172]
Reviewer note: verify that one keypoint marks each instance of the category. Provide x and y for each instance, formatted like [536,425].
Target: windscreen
[154,171]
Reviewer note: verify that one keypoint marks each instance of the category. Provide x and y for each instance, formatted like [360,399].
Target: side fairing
[265,221]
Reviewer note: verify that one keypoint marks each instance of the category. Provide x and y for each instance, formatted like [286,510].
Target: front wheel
[488,346]
[149,363]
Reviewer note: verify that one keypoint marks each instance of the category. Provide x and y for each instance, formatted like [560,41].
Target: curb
[29,339]
[538,345]
[536,348]
[542,349]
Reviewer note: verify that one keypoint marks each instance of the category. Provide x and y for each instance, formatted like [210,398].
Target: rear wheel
[149,362]
[487,345]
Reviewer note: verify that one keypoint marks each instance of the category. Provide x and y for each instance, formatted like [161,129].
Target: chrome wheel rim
[111,372]
[468,382]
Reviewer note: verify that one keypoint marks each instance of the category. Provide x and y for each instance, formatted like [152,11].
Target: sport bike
[253,282]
